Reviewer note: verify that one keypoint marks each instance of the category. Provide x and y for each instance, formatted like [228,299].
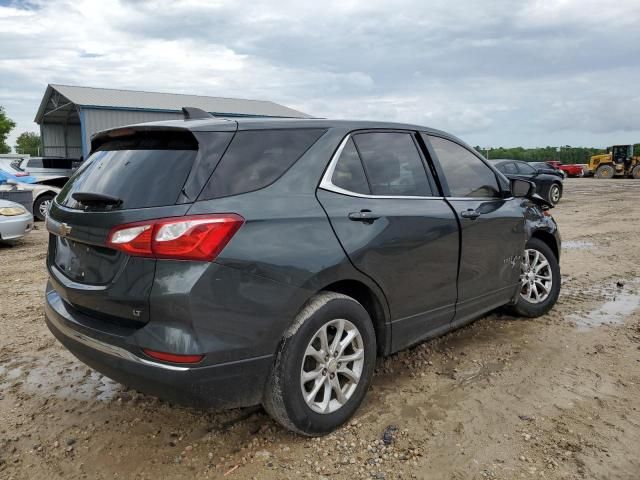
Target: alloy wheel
[536,278]
[44,207]
[555,194]
[332,366]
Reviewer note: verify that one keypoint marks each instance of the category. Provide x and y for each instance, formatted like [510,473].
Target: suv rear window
[143,170]
[256,159]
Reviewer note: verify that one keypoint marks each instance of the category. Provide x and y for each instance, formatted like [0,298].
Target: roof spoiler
[193,113]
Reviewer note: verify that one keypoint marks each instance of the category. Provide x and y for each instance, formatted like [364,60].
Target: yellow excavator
[617,162]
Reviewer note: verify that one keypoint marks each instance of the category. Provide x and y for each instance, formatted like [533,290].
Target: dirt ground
[505,398]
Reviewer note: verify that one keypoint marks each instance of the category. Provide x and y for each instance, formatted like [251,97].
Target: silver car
[49,170]
[15,221]
[43,195]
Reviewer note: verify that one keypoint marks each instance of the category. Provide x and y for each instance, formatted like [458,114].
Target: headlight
[12,211]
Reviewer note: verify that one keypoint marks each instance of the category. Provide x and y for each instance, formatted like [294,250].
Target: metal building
[68,116]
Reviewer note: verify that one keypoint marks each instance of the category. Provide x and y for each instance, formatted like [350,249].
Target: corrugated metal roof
[105,97]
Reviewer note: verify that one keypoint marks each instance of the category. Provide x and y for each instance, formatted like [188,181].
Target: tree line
[565,154]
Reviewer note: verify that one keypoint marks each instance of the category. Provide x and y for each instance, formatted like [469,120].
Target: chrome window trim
[327,184]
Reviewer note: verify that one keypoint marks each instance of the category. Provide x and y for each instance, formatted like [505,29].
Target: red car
[571,170]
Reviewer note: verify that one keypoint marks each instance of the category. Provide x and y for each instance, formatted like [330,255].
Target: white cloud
[499,72]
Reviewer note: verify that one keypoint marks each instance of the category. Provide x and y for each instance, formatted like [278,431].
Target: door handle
[470,214]
[366,216]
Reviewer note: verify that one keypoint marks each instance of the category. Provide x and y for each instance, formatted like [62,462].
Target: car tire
[554,194]
[302,366]
[526,305]
[605,171]
[41,206]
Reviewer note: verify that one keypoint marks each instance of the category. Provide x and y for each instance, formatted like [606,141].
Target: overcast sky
[494,72]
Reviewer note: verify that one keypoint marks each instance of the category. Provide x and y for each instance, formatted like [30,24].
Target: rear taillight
[195,237]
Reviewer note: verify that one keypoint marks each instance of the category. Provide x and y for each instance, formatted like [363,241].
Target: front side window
[466,174]
[392,164]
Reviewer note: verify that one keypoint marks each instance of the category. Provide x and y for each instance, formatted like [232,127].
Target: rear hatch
[132,176]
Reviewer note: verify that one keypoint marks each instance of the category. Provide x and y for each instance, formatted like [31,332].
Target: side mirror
[11,181]
[522,188]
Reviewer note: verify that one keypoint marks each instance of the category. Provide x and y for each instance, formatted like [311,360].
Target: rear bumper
[114,354]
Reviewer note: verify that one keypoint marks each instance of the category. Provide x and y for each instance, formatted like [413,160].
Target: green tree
[6,125]
[28,142]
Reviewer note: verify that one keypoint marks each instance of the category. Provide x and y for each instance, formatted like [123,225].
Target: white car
[50,170]
[15,221]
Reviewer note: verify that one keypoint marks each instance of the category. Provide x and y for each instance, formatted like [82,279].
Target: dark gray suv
[229,263]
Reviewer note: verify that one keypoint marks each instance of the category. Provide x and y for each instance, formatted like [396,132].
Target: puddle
[614,311]
[576,244]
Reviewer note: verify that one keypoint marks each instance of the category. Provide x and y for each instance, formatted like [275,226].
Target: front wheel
[323,367]
[539,281]
[635,173]
[605,171]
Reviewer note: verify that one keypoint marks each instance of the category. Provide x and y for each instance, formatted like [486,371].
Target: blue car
[4,176]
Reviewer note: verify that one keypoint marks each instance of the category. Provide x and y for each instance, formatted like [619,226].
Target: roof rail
[193,113]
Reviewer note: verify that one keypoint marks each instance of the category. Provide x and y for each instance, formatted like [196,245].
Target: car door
[491,225]
[395,228]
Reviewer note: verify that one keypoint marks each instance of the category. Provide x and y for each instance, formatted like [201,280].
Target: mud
[555,397]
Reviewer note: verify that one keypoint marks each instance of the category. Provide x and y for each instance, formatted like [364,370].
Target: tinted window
[143,170]
[63,163]
[34,163]
[466,174]
[256,159]
[349,173]
[392,164]
[526,169]
[508,168]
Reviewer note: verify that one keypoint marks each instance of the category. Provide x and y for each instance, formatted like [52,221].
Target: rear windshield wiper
[88,198]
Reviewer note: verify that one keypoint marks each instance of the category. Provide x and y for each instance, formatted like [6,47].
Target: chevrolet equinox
[226,263]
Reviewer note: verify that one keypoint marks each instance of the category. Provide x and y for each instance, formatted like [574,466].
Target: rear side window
[256,159]
[143,170]
[34,163]
[392,164]
[466,174]
[349,173]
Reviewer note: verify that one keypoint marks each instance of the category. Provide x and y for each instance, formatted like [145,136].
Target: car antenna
[193,113]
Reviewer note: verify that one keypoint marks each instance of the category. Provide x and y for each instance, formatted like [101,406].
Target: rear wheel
[323,367]
[41,206]
[605,171]
[635,173]
[555,193]
[539,281]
